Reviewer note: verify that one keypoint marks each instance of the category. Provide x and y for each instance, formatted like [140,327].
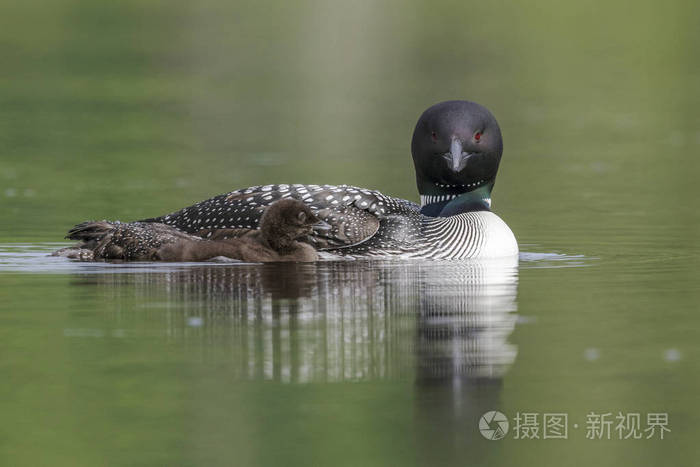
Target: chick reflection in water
[282,225]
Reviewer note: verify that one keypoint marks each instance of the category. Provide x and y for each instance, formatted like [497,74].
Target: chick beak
[321,226]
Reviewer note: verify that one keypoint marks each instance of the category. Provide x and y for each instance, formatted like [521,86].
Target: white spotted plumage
[364,223]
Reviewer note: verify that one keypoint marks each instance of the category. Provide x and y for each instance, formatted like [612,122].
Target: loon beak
[456,158]
[321,226]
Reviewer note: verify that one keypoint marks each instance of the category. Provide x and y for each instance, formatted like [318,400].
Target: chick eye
[434,136]
[477,135]
[301,216]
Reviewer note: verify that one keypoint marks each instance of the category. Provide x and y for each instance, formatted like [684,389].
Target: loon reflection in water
[441,327]
[348,320]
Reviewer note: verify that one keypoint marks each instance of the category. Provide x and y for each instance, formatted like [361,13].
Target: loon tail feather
[155,220]
[91,230]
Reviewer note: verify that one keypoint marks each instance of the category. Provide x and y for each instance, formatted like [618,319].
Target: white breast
[498,239]
[480,234]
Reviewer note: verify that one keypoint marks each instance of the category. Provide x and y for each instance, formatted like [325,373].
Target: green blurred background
[129,109]
[132,109]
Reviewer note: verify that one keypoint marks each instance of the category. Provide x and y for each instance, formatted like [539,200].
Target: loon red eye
[434,136]
[477,135]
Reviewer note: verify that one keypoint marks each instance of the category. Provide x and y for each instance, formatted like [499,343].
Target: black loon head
[288,220]
[456,149]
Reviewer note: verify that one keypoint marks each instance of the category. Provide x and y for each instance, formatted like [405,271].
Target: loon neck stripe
[430,199]
[451,204]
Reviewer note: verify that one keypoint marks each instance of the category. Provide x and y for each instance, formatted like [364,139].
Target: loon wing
[353,213]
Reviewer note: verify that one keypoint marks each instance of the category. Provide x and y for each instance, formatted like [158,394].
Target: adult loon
[456,150]
[282,224]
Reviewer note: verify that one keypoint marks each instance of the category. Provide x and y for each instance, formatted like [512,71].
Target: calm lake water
[132,109]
